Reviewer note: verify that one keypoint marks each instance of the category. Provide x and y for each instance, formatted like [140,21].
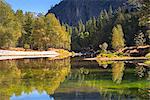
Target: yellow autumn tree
[117,37]
[59,37]
[10,29]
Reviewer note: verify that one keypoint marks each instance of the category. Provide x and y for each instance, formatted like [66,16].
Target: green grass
[104,86]
[110,55]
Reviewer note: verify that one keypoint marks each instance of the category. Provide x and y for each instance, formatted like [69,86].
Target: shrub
[148,55]
[26,46]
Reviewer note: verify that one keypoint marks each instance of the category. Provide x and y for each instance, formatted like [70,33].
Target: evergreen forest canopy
[125,26]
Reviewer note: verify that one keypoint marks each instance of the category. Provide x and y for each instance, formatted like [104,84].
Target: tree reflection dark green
[19,76]
[140,70]
[118,80]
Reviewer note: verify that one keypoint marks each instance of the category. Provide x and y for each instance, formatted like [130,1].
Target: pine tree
[120,18]
[144,19]
[140,39]
[40,40]
[19,16]
[81,26]
[110,12]
[106,16]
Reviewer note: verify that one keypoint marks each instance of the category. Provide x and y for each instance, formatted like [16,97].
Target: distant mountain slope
[71,11]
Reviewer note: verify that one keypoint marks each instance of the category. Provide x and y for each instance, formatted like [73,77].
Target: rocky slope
[71,11]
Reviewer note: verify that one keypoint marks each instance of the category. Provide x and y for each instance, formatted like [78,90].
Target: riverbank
[26,53]
[62,54]
[52,54]
[117,58]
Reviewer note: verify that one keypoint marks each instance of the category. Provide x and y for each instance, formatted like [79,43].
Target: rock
[71,11]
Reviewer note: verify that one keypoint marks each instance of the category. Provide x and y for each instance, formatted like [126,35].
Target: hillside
[71,11]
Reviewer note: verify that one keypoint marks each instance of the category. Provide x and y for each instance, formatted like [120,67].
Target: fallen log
[136,50]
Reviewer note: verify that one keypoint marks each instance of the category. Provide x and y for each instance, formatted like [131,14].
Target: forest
[112,29]
[31,31]
[95,58]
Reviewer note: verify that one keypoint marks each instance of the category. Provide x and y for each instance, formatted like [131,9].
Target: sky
[38,6]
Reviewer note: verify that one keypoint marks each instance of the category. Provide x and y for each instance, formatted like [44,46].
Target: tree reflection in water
[26,75]
[140,70]
[117,80]
[117,71]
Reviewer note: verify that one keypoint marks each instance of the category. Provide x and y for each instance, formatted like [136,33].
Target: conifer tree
[27,27]
[40,40]
[140,39]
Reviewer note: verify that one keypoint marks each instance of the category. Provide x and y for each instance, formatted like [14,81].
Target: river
[73,79]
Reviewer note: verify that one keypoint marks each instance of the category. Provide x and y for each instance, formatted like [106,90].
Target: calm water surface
[73,79]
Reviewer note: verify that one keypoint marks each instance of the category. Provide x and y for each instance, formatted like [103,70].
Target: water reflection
[34,95]
[140,70]
[117,71]
[73,80]
[119,81]
[19,76]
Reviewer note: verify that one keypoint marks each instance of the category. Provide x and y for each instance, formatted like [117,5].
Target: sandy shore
[6,54]
[26,53]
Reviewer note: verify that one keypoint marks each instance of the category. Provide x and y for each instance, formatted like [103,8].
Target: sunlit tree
[117,37]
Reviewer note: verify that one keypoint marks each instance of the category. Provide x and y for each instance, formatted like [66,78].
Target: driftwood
[136,50]
[118,58]
[142,64]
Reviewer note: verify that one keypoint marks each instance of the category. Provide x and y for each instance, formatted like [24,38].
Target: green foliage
[26,46]
[100,28]
[27,27]
[118,79]
[28,31]
[140,39]
[110,55]
[40,39]
[104,64]
[20,16]
[144,19]
[19,29]
[62,54]
[10,29]
[57,34]
[41,74]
